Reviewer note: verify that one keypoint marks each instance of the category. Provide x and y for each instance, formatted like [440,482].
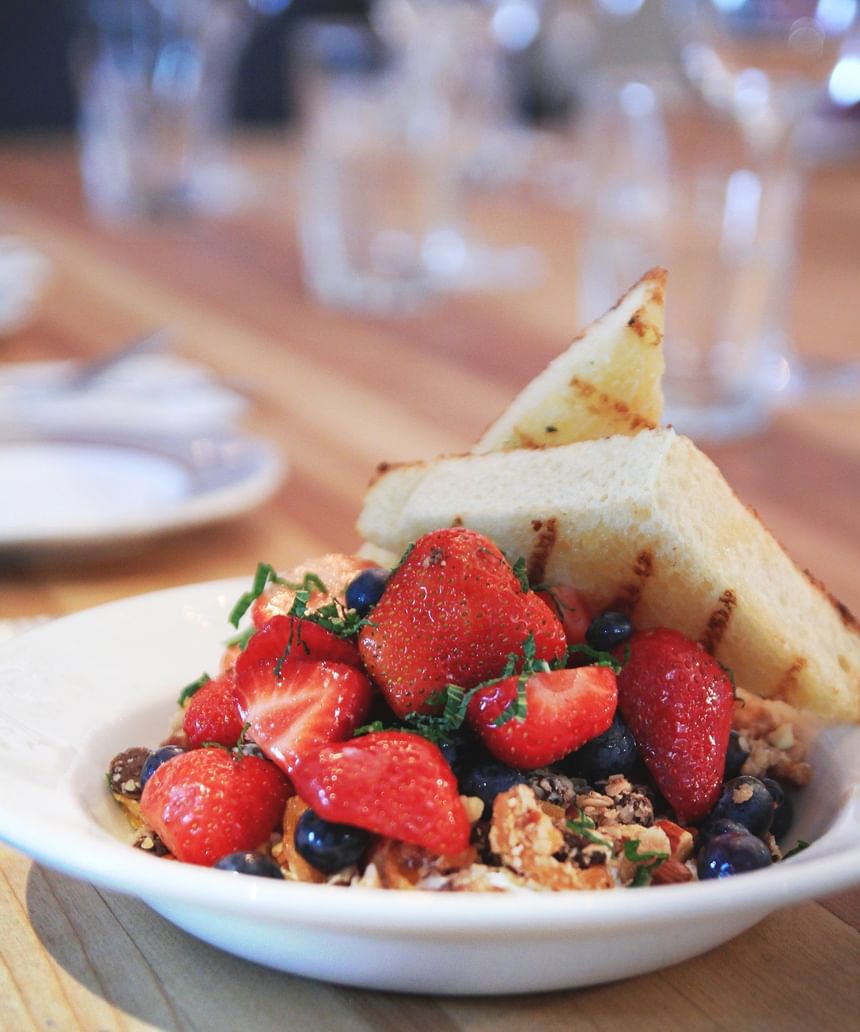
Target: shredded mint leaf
[584,826]
[242,638]
[407,552]
[519,568]
[799,848]
[641,877]
[193,687]
[597,657]
[310,582]
[264,574]
[294,640]
[631,852]
[368,729]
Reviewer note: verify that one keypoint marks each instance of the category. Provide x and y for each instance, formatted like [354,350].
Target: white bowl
[75,692]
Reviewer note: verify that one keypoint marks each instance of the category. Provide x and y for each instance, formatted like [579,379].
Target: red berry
[289,639]
[212,714]
[207,803]
[564,710]
[570,607]
[678,701]
[309,705]
[391,783]
[452,613]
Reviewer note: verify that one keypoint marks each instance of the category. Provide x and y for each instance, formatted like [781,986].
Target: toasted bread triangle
[607,382]
[645,524]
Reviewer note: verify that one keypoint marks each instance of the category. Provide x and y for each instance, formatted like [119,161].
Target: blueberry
[783,814]
[327,846]
[718,826]
[746,800]
[613,752]
[736,756]
[732,853]
[608,630]
[250,863]
[366,590]
[155,760]
[487,781]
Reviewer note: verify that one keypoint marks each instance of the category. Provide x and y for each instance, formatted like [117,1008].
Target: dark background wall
[36,88]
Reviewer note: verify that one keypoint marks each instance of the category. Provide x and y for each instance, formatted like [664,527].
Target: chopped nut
[671,872]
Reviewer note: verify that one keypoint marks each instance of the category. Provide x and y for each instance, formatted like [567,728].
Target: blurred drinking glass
[764,64]
[155,81]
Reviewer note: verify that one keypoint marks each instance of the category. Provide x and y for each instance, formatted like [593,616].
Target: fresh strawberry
[677,700]
[308,705]
[290,638]
[570,607]
[212,714]
[452,613]
[207,803]
[564,710]
[334,570]
[389,782]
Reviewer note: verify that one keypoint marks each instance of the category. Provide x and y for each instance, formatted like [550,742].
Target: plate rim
[196,508]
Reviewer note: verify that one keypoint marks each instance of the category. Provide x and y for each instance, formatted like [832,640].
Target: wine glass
[764,64]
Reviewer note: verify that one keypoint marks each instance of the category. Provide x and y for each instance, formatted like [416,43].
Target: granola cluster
[598,839]
[775,737]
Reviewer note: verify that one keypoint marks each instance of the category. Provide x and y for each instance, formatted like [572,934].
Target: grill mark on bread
[546,533]
[789,680]
[845,614]
[718,621]
[630,594]
[602,402]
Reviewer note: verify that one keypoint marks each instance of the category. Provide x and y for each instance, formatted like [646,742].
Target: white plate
[69,490]
[75,692]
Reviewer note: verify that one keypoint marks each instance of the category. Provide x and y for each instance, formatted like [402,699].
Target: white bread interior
[607,382]
[645,524]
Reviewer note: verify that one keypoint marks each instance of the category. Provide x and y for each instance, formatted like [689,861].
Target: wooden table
[338,393]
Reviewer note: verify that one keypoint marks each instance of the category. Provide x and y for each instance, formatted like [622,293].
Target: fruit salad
[446,725]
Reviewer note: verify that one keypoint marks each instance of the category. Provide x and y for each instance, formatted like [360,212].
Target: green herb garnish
[519,568]
[641,877]
[597,657]
[368,729]
[799,848]
[242,638]
[193,687]
[631,852]
[584,827]
[264,574]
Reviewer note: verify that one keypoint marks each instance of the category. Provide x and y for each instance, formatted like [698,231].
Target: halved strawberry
[392,783]
[564,710]
[212,714]
[289,638]
[678,702]
[309,705]
[452,612]
[207,803]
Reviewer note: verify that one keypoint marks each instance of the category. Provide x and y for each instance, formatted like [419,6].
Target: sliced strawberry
[570,607]
[564,710]
[391,783]
[452,613]
[289,638]
[309,705]
[334,570]
[678,701]
[212,714]
[207,803]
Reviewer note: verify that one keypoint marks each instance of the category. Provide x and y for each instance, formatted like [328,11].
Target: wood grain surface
[338,393]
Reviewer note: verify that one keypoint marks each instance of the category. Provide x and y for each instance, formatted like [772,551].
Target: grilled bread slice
[607,382]
[647,525]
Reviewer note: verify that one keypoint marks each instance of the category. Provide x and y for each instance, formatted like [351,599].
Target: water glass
[377,204]
[670,188]
[155,80]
